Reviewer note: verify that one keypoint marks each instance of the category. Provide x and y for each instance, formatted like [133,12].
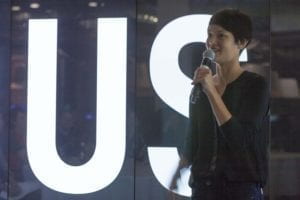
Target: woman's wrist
[211,90]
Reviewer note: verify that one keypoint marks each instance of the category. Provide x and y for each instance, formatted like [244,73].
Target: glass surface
[285,128]
[161,122]
[4,94]
[76,115]
[156,119]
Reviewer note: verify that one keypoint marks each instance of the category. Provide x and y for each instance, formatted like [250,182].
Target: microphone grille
[209,53]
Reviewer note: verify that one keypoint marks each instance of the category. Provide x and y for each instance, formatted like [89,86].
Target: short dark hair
[234,21]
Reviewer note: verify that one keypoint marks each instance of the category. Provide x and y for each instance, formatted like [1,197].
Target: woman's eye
[221,35]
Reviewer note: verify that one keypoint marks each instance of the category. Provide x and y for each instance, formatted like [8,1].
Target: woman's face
[222,42]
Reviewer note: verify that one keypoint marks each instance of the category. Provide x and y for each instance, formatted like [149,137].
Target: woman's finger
[199,76]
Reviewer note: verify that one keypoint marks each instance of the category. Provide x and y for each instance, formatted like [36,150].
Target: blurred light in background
[93,4]
[15,8]
[34,5]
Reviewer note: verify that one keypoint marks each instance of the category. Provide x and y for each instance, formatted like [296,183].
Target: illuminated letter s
[107,160]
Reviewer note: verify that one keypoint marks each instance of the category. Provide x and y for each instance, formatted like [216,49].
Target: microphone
[207,59]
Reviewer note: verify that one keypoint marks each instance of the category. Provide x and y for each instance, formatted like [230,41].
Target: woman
[226,144]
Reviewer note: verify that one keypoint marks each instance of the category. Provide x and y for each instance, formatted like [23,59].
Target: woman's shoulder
[253,78]
[253,75]
[255,81]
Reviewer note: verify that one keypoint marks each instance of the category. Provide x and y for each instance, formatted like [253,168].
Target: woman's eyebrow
[219,31]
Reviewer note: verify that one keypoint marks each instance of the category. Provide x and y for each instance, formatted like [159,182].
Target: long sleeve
[237,148]
[199,142]
[240,130]
[190,144]
[243,149]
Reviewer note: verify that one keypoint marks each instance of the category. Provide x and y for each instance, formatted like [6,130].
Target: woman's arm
[204,76]
[220,110]
[238,129]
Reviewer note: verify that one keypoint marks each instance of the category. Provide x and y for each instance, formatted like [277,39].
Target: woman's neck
[231,71]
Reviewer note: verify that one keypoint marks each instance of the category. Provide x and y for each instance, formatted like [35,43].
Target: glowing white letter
[107,160]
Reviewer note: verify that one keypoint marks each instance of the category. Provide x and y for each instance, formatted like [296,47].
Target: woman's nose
[211,42]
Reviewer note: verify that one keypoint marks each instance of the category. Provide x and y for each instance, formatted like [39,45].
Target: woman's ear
[242,44]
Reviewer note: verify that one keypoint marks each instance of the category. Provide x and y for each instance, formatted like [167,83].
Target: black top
[237,149]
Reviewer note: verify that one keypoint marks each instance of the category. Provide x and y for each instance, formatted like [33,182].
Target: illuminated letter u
[107,160]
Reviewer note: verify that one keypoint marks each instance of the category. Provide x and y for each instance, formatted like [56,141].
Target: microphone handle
[207,62]
[197,89]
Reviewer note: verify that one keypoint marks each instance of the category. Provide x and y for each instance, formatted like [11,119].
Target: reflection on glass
[75,140]
[285,140]
[4,95]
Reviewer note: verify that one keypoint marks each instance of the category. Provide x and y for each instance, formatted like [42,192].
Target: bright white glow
[34,5]
[146,17]
[107,160]
[111,93]
[164,162]
[244,56]
[15,8]
[93,4]
[169,82]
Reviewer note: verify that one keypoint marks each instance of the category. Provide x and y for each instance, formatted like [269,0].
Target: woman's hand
[203,75]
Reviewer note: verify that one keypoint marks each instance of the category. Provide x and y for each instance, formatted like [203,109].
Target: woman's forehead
[216,28]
